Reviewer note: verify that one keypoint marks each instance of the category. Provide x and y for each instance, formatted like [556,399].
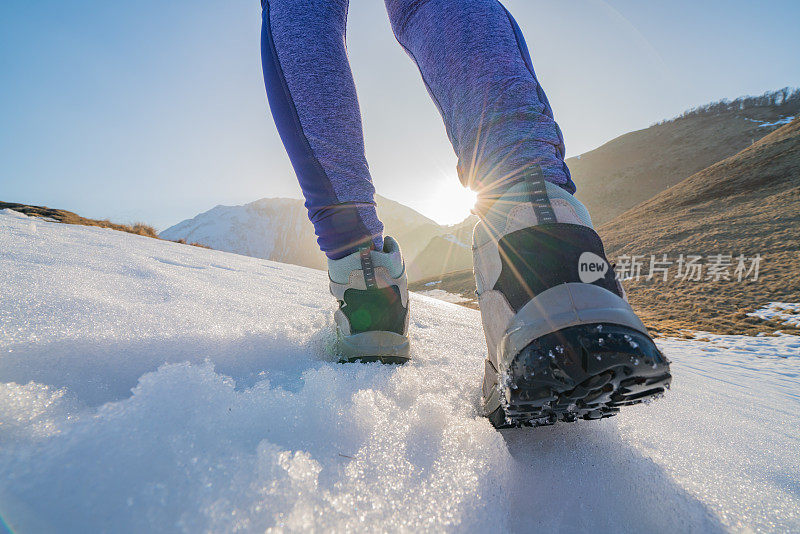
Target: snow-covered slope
[148,386]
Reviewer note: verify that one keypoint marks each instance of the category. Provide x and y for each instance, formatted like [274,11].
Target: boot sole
[587,371]
[388,360]
[368,347]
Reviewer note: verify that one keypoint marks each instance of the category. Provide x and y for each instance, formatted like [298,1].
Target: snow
[152,386]
[278,229]
[441,294]
[765,124]
[787,313]
[453,239]
[255,229]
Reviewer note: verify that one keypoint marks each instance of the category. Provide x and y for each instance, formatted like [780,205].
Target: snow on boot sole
[587,371]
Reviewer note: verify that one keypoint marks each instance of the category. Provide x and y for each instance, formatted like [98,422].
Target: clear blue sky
[155,111]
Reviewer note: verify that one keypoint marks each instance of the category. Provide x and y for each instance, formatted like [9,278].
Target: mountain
[278,229]
[611,179]
[153,387]
[747,204]
[270,228]
[638,165]
[446,252]
[411,229]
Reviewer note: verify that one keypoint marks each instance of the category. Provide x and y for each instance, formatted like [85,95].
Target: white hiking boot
[372,319]
[563,343]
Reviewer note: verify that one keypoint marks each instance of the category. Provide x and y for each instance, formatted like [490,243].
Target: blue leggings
[476,66]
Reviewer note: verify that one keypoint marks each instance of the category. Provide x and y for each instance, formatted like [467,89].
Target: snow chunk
[31,411]
[8,212]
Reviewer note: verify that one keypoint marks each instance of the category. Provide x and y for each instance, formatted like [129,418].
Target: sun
[453,201]
[443,199]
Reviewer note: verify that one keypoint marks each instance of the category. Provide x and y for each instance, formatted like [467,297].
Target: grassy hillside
[637,166]
[746,204]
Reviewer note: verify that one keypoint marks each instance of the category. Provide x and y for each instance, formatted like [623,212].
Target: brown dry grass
[746,204]
[193,243]
[636,166]
[68,217]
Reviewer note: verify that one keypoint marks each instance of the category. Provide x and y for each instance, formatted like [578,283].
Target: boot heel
[587,371]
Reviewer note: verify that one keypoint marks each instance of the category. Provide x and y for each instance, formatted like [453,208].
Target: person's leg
[562,341]
[313,101]
[475,63]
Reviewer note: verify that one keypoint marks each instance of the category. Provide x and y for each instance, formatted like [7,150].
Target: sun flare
[453,201]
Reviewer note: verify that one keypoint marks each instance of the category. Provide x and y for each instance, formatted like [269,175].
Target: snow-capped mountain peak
[278,229]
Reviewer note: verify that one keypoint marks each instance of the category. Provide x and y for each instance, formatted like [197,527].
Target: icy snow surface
[441,294]
[148,386]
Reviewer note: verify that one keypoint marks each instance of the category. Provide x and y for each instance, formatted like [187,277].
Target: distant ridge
[278,229]
[787,97]
[637,166]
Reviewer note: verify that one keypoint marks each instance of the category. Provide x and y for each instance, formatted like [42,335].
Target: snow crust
[148,386]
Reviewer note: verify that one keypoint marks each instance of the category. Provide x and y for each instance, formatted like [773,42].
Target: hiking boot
[563,343]
[372,319]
